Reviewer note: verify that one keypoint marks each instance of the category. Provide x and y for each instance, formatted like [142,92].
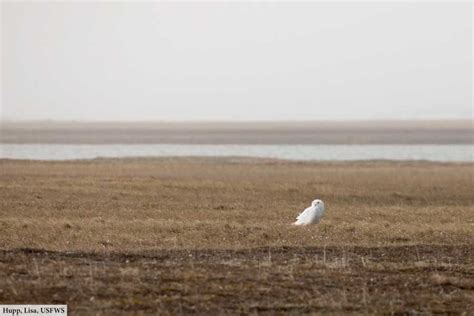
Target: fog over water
[460,153]
[168,62]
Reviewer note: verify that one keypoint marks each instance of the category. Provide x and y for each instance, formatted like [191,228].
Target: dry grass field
[213,236]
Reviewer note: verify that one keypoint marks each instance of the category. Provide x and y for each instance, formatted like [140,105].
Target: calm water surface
[293,152]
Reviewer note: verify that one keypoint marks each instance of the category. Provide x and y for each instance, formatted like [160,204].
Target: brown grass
[214,236]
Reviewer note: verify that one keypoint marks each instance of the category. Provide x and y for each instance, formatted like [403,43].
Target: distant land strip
[274,133]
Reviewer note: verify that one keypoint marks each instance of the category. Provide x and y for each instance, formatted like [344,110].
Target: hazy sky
[236,61]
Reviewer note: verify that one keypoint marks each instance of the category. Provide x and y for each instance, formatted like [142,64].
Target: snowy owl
[312,214]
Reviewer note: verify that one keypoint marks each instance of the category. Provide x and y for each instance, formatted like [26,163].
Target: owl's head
[317,203]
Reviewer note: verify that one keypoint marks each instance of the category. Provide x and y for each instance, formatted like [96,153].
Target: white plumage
[312,214]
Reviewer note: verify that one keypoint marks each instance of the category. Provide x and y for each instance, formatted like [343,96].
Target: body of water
[458,153]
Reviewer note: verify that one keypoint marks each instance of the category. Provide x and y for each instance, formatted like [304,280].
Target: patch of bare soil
[269,280]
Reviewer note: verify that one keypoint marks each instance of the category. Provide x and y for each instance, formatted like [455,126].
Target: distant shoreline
[271,133]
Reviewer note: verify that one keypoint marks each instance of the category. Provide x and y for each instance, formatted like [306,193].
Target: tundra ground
[213,236]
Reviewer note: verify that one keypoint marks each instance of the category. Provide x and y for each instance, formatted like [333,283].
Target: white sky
[236,61]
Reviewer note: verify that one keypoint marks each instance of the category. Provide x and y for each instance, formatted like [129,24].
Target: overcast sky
[236,61]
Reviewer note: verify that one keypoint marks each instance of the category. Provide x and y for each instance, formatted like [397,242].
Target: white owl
[312,214]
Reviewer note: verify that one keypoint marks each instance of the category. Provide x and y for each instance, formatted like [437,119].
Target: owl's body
[312,214]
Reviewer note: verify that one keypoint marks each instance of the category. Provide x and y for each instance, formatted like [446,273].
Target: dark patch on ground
[289,280]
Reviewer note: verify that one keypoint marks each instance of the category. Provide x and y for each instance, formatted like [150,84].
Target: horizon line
[7,120]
